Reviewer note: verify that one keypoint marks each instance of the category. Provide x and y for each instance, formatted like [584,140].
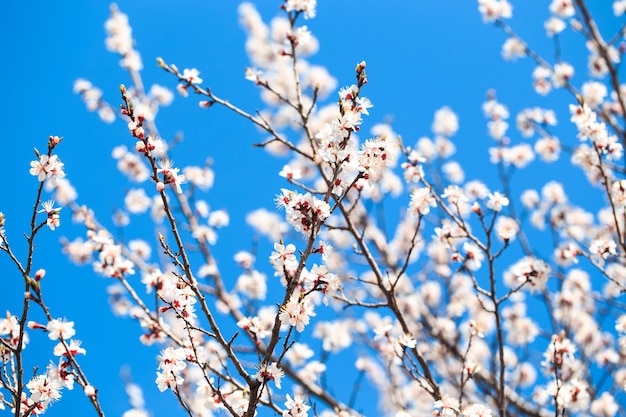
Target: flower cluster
[46,388]
[189,78]
[130,164]
[284,260]
[47,167]
[296,407]
[269,372]
[268,46]
[119,40]
[171,364]
[304,212]
[297,312]
[92,96]
[528,120]
[531,271]
[495,9]
[174,291]
[306,6]
[449,407]
[376,156]
[421,202]
[170,175]
[437,306]
[53,218]
[10,331]
[110,263]
[567,388]
[596,131]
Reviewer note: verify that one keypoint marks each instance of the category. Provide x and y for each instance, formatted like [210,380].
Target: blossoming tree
[450,302]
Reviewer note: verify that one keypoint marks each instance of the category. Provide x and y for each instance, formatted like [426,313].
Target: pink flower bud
[40,274]
[34,325]
[182,90]
[90,391]
[140,146]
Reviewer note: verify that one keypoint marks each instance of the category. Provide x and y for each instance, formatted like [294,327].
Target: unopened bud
[182,90]
[576,25]
[140,146]
[34,325]
[40,274]
[54,141]
[90,391]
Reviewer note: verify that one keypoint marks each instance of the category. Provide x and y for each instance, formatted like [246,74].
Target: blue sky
[421,56]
